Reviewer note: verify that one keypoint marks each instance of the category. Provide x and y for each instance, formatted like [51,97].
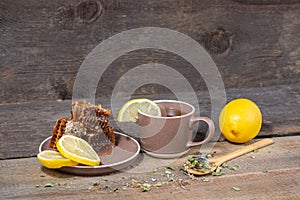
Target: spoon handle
[245,150]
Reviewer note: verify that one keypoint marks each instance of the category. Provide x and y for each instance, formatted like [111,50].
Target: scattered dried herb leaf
[183,183]
[169,167]
[265,170]
[236,189]
[158,184]
[218,172]
[95,187]
[204,180]
[49,185]
[95,184]
[146,187]
[224,165]
[234,167]
[168,172]
[153,173]
[135,183]
[171,180]
[255,150]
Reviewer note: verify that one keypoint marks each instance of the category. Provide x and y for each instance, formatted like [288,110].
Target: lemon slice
[78,150]
[53,159]
[129,111]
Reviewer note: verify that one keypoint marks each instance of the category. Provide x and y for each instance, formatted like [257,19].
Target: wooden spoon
[215,162]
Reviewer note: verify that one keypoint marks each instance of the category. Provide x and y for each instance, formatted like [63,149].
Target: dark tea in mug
[172,112]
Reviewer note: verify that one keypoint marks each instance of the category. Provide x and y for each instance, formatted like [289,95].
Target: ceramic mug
[170,135]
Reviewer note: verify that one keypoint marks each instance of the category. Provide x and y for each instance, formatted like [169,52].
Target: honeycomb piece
[58,131]
[89,122]
[93,117]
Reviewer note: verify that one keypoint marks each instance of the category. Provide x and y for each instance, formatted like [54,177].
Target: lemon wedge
[129,111]
[53,159]
[78,150]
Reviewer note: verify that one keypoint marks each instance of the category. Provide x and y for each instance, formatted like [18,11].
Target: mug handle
[211,130]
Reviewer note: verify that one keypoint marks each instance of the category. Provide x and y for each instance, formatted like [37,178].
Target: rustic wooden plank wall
[44,43]
[255,44]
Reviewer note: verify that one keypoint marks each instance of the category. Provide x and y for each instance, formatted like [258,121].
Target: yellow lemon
[78,150]
[240,120]
[129,111]
[53,159]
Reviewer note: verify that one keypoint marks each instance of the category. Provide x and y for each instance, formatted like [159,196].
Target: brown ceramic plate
[123,155]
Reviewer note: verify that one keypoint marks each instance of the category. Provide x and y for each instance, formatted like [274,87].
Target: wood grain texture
[25,179]
[42,43]
[255,45]
[24,126]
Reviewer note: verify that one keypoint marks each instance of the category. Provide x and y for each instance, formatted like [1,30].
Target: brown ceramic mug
[170,135]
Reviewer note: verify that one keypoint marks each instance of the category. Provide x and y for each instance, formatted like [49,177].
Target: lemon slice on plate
[129,111]
[53,159]
[78,150]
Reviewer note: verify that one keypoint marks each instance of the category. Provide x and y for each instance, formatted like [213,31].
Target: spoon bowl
[216,162]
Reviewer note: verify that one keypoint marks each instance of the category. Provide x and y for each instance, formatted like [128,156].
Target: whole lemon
[240,120]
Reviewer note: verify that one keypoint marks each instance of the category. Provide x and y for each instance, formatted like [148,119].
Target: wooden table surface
[272,172]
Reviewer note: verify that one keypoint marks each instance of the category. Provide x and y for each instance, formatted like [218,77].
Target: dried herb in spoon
[197,162]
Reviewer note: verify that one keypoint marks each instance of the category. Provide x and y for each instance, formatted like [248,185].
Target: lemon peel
[54,160]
